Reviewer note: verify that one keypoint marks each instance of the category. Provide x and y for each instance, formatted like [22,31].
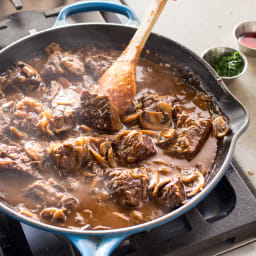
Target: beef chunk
[25,115]
[50,193]
[150,102]
[133,147]
[22,77]
[189,136]
[98,112]
[170,194]
[97,64]
[64,110]
[13,158]
[192,133]
[35,150]
[98,61]
[35,118]
[31,117]
[127,186]
[56,202]
[70,156]
[60,62]
[5,120]
[64,119]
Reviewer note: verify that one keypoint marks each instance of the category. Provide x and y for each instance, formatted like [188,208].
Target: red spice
[248,39]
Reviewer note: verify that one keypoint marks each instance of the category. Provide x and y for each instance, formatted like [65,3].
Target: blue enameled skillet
[103,242]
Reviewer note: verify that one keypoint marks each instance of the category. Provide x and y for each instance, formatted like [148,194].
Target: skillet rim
[169,216]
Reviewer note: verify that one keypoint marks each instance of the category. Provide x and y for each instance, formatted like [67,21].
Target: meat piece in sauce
[132,147]
[60,62]
[51,194]
[64,110]
[128,187]
[97,62]
[98,112]
[190,135]
[23,77]
[70,156]
[13,158]
[5,119]
[150,102]
[170,194]
[35,150]
[26,115]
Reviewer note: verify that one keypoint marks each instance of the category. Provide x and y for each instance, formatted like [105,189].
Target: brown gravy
[96,209]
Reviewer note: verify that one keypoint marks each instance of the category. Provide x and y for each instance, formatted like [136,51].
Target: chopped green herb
[230,64]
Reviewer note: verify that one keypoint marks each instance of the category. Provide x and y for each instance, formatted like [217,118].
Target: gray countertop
[200,24]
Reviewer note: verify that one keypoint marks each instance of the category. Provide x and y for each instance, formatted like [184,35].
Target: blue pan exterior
[117,36]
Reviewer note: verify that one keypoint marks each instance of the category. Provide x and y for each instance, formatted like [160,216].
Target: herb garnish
[230,64]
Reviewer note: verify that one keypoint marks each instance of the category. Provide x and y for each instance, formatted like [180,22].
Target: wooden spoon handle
[134,48]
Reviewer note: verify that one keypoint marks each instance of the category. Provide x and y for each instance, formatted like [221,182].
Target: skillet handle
[95,246]
[96,6]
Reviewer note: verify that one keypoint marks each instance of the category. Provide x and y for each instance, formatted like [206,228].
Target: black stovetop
[225,218]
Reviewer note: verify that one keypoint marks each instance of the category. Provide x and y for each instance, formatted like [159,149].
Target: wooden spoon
[119,81]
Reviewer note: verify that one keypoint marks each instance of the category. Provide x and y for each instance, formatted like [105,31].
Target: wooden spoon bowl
[119,81]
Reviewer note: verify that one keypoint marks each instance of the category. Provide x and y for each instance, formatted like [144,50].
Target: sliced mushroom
[121,134]
[86,226]
[25,211]
[85,128]
[154,179]
[16,132]
[54,214]
[159,185]
[155,120]
[131,118]
[104,147]
[188,175]
[138,215]
[201,169]
[59,216]
[88,214]
[150,133]
[167,136]
[44,122]
[220,127]
[197,184]
[88,174]
[111,159]
[98,158]
[100,227]
[29,71]
[121,216]
[165,108]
